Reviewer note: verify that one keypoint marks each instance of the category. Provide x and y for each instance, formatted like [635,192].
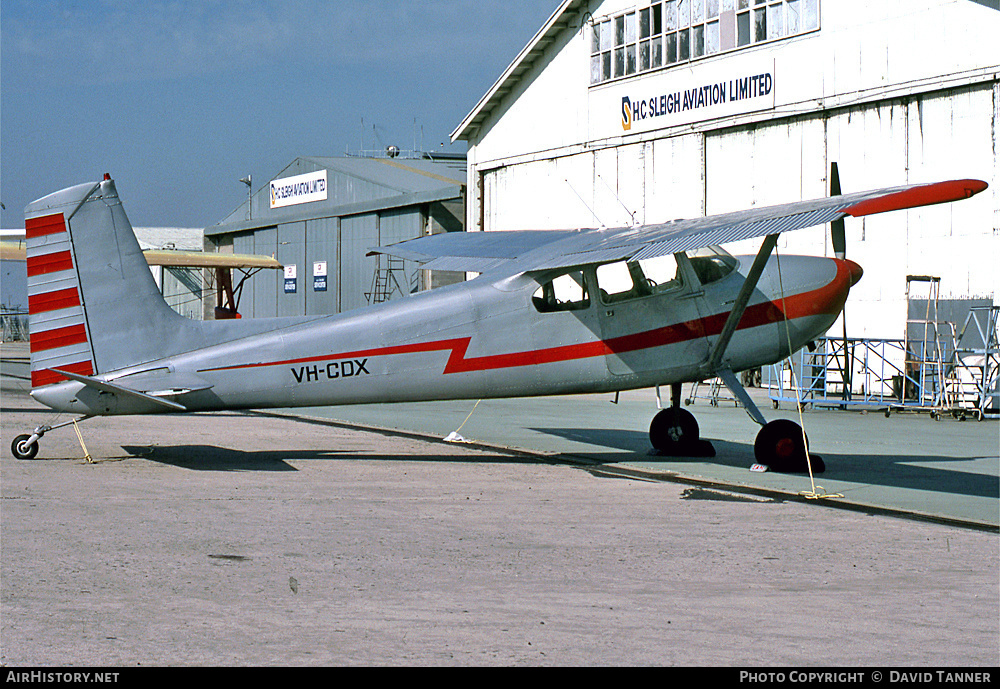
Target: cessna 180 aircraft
[551,312]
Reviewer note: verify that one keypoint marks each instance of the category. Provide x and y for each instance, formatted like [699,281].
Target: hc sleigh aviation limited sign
[683,96]
[298,189]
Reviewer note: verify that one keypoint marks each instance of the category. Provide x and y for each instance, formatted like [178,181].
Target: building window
[668,32]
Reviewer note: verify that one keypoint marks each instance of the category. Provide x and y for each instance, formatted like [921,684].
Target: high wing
[472,251]
[542,250]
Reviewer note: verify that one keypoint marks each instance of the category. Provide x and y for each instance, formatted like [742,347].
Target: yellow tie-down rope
[79,436]
[813,494]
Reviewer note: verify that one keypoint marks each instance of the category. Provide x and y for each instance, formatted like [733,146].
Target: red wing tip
[922,195]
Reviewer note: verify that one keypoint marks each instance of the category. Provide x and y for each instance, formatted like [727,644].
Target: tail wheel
[781,446]
[21,449]
[673,429]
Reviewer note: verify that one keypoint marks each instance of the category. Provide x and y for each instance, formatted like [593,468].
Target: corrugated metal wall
[922,138]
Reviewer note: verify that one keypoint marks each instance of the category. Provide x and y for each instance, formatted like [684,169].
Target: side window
[661,273]
[621,281]
[615,282]
[567,292]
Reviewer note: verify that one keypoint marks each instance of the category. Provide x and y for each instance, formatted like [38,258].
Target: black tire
[780,446]
[22,451]
[673,430]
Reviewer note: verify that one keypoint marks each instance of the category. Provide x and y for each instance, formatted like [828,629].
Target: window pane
[670,15]
[670,48]
[619,62]
[727,5]
[775,21]
[743,29]
[565,293]
[711,9]
[644,23]
[656,58]
[630,59]
[595,69]
[606,35]
[810,17]
[595,43]
[698,40]
[683,13]
[661,271]
[712,38]
[683,45]
[657,23]
[759,26]
[792,18]
[605,66]
[643,56]
[620,30]
[742,4]
[697,11]
[630,27]
[614,279]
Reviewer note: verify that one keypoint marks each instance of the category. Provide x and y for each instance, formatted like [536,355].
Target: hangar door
[649,182]
[398,278]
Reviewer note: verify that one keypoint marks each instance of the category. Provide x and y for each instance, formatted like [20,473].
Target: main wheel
[674,432]
[781,446]
[20,449]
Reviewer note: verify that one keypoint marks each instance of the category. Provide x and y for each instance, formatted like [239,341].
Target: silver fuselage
[485,339]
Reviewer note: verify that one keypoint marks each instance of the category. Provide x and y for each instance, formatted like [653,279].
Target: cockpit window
[711,264]
[567,292]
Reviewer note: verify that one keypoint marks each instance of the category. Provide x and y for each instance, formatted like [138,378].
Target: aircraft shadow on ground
[892,471]
[215,458]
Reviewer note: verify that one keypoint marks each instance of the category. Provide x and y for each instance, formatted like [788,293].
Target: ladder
[924,373]
[384,280]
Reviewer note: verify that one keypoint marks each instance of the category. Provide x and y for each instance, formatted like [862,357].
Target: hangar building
[319,216]
[642,111]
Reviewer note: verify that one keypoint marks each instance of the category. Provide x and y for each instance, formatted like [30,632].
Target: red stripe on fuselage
[828,299]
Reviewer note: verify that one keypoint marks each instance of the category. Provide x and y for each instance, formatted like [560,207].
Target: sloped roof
[563,17]
[355,185]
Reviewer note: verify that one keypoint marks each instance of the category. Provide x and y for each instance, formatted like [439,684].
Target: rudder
[83,289]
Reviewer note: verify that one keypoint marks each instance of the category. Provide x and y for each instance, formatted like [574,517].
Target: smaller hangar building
[319,216]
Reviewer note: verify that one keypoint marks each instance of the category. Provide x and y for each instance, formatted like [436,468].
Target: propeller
[839,238]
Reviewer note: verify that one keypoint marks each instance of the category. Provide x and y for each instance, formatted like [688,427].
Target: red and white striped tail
[59,337]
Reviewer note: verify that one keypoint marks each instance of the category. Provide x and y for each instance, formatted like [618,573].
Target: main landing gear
[674,431]
[780,444]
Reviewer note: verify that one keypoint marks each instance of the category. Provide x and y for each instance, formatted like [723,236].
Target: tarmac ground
[240,539]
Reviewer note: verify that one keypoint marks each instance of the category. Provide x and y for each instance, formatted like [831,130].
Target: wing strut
[711,366]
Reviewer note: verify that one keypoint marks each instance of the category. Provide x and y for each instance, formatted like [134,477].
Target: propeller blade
[837,226]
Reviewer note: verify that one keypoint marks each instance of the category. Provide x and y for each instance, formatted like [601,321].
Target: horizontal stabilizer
[105,386]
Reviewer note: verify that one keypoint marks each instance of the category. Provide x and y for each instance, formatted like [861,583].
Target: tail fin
[84,285]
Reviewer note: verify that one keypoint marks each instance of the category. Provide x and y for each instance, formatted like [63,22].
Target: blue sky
[178,100]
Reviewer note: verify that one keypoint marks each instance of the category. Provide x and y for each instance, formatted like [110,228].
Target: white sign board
[298,189]
[682,95]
